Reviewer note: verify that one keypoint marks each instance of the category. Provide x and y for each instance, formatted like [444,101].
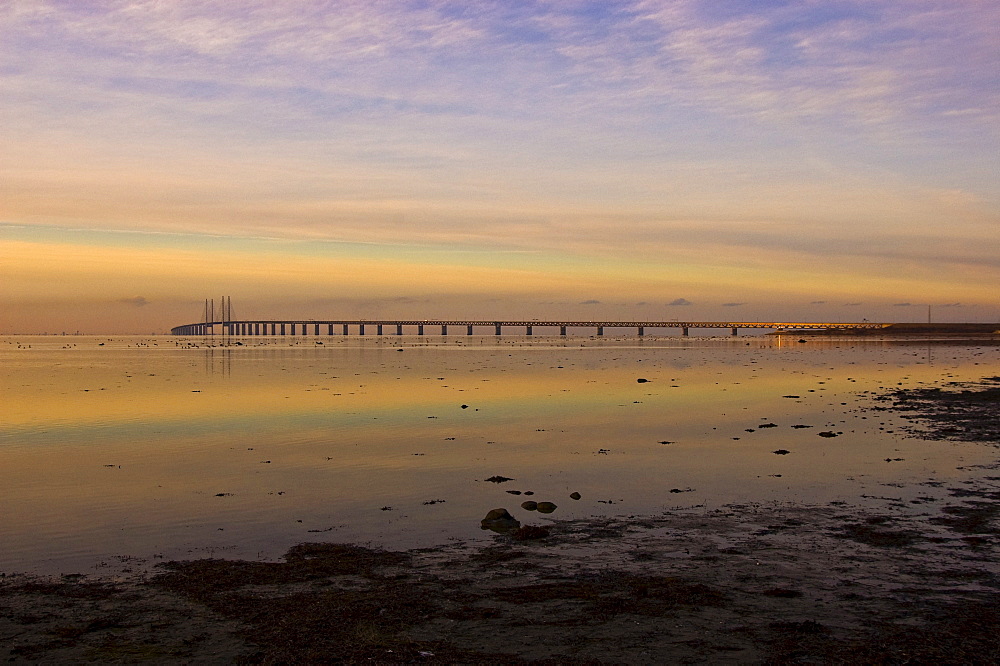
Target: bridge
[279,327]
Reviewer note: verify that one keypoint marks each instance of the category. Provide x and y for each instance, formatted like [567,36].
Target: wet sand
[754,583]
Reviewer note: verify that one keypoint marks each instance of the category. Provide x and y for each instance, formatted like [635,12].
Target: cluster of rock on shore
[501,522]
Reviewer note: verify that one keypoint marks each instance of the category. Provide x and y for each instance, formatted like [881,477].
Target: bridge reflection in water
[273,328]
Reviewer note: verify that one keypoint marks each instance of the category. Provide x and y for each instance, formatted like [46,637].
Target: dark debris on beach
[958,411]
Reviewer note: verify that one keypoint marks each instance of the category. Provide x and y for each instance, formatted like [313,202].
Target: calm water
[114,448]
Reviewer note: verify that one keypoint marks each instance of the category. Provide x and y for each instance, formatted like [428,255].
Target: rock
[499,479]
[500,521]
[781,452]
[575,496]
[641,380]
[546,507]
[827,433]
[529,505]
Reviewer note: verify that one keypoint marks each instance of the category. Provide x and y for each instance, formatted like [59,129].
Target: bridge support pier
[444,330]
[378,329]
[642,331]
[420,329]
[562,331]
[527,330]
[468,329]
[399,329]
[361,329]
[345,329]
[684,331]
[735,331]
[498,329]
[316,331]
[600,330]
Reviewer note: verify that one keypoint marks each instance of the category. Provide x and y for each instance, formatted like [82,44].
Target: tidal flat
[753,499]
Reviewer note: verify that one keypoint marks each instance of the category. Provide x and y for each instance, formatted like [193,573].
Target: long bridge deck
[278,327]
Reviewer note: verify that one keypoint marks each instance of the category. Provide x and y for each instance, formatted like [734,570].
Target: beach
[908,576]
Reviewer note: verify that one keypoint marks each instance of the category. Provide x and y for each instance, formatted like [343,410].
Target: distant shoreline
[963,331]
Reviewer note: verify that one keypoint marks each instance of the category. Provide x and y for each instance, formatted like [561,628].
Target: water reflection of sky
[122,449]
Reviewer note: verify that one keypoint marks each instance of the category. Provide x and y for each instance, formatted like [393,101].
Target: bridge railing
[277,327]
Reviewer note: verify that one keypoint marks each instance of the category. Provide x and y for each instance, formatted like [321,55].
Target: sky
[808,160]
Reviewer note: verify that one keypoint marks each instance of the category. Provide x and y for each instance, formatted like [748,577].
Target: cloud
[732,305]
[590,302]
[138,301]
[680,301]
[851,305]
[901,305]
[817,302]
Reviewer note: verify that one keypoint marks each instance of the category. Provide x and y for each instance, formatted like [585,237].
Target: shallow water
[119,448]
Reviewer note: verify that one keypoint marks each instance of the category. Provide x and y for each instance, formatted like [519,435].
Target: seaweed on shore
[297,611]
[960,411]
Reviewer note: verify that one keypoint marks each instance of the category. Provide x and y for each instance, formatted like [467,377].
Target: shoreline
[747,583]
